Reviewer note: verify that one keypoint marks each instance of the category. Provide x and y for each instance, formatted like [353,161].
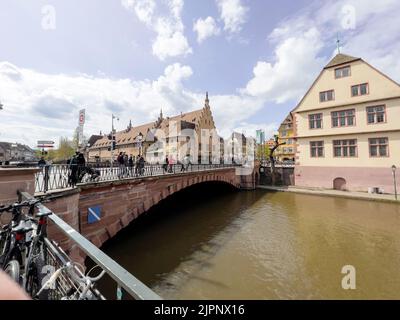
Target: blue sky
[132,57]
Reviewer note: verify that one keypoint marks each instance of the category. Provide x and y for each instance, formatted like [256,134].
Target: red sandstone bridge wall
[121,201]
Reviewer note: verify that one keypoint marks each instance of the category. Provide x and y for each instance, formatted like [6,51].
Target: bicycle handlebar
[24,204]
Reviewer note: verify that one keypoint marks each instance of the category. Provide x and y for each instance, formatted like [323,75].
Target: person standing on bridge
[165,165]
[81,162]
[126,164]
[121,166]
[130,165]
[73,170]
[141,165]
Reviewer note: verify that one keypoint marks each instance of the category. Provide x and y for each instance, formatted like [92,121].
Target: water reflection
[214,243]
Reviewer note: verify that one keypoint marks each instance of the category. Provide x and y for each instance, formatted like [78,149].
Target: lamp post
[140,139]
[394,180]
[112,138]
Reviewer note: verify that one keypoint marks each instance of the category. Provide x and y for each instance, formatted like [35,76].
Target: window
[284,133]
[345,148]
[326,96]
[315,121]
[360,90]
[317,149]
[342,72]
[290,141]
[343,118]
[379,147]
[376,114]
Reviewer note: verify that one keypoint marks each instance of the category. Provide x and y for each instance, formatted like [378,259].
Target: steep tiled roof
[128,136]
[340,59]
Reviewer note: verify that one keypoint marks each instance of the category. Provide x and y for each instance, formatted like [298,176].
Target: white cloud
[296,64]
[305,42]
[205,28]
[144,9]
[170,40]
[42,106]
[233,13]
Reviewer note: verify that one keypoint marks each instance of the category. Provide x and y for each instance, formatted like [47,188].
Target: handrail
[126,280]
[58,177]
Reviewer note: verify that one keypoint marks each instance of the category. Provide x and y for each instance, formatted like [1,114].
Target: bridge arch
[124,201]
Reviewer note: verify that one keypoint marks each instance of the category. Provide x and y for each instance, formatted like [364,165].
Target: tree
[263,151]
[65,149]
[272,158]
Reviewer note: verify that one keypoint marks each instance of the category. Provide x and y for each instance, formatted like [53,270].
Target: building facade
[16,152]
[192,133]
[286,135]
[347,128]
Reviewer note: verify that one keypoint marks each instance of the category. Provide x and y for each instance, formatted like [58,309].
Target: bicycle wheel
[12,269]
[36,279]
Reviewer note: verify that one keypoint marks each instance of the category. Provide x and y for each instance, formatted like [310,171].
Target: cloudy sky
[133,57]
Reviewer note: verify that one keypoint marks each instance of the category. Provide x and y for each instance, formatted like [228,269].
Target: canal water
[212,242]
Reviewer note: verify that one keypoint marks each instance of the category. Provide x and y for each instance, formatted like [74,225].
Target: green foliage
[263,151]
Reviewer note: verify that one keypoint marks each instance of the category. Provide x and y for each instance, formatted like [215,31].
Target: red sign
[82,117]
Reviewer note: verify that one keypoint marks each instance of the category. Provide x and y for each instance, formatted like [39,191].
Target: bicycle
[12,238]
[23,256]
[83,286]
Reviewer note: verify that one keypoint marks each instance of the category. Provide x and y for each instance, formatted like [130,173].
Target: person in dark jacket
[130,165]
[73,170]
[42,162]
[81,165]
[141,165]
[165,165]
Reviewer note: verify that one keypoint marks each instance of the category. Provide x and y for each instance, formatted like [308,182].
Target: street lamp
[140,139]
[112,138]
[394,180]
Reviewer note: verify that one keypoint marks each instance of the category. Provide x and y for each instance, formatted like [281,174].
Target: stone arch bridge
[119,202]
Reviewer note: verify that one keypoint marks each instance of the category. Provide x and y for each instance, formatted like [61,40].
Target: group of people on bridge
[128,167]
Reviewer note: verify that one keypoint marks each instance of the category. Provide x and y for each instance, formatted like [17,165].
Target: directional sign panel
[94,214]
[45,142]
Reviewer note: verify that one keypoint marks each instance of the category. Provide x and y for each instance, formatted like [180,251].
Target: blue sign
[94,214]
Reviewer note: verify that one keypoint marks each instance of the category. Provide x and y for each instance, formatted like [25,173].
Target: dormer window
[327,96]
[342,72]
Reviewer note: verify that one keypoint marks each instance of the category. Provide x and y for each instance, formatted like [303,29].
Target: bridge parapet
[117,203]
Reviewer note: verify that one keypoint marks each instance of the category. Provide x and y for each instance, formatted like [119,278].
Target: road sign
[82,117]
[45,142]
[94,214]
[45,146]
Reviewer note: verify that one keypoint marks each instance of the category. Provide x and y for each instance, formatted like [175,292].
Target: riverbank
[335,193]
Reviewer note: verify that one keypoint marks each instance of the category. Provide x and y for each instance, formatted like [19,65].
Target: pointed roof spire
[207,101]
[161,114]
